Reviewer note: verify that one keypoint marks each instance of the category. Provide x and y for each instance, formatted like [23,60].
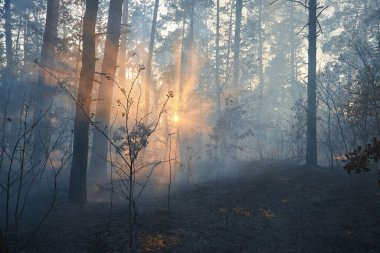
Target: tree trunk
[293,73]
[261,67]
[236,70]
[98,164]
[217,59]
[77,191]
[261,136]
[181,63]
[123,44]
[8,37]
[227,72]
[148,76]
[26,41]
[239,7]
[44,91]
[187,69]
[180,76]
[190,40]
[311,148]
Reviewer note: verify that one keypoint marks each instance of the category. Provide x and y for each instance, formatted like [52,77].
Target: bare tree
[98,163]
[311,135]
[148,73]
[239,7]
[217,59]
[8,36]
[123,43]
[78,192]
[44,90]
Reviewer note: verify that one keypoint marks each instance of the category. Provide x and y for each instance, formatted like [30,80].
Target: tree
[217,59]
[8,36]
[227,70]
[77,191]
[148,74]
[44,91]
[123,43]
[311,143]
[239,7]
[293,71]
[261,67]
[98,164]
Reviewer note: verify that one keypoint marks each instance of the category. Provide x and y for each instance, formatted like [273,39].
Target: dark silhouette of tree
[78,191]
[239,7]
[123,43]
[148,74]
[98,164]
[217,59]
[260,35]
[8,37]
[44,91]
[311,143]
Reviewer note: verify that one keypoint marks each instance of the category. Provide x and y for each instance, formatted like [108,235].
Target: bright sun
[175,118]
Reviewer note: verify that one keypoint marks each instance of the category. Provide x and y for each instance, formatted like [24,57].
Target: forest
[189,126]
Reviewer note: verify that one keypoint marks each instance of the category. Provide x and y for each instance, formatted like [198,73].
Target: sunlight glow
[175,117]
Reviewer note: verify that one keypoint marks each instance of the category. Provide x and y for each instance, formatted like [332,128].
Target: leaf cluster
[135,141]
[358,161]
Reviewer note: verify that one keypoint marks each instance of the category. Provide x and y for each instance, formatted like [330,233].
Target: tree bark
[227,72]
[217,59]
[148,74]
[78,191]
[98,164]
[239,7]
[311,145]
[261,67]
[26,40]
[293,71]
[8,37]
[123,44]
[190,40]
[44,91]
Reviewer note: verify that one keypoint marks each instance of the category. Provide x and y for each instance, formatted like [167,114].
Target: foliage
[230,127]
[135,141]
[358,161]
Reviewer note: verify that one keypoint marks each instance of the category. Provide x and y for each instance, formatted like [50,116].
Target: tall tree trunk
[239,7]
[293,75]
[227,72]
[8,37]
[261,131]
[78,191]
[181,63]
[311,148]
[148,76]
[190,40]
[98,164]
[236,70]
[26,39]
[187,72]
[180,76]
[261,67]
[123,44]
[217,59]
[44,91]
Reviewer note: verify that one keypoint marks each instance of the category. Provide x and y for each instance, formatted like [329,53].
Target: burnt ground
[271,208]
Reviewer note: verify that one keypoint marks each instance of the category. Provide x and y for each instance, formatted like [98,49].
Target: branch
[89,118]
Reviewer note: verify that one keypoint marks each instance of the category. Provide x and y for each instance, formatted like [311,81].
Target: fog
[113,112]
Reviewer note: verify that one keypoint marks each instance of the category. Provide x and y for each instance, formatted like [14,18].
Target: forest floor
[265,208]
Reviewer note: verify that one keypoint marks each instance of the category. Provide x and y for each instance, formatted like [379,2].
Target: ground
[274,207]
